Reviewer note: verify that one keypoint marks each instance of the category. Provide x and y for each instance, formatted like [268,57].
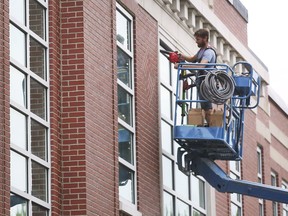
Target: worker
[206,54]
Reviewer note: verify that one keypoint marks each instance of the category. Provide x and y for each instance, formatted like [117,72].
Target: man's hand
[176,65]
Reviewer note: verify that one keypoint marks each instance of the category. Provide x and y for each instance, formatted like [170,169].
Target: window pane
[18,206]
[38,98]
[123,30]
[164,68]
[17,10]
[124,105]
[39,181]
[182,208]
[167,172]
[168,204]
[166,137]
[18,90]
[123,67]
[18,129]
[38,140]
[38,210]
[198,191]
[37,58]
[125,138]
[37,18]
[182,184]
[165,102]
[17,45]
[126,183]
[18,171]
[235,210]
[197,213]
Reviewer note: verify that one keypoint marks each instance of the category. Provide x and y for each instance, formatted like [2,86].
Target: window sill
[129,208]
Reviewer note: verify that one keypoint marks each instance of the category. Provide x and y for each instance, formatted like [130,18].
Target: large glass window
[260,176]
[182,194]
[29,116]
[126,107]
[274,204]
[285,205]
[236,199]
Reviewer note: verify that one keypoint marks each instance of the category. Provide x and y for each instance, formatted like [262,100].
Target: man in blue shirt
[206,54]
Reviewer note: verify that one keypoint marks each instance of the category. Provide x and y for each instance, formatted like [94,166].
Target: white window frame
[274,183]
[28,113]
[285,205]
[260,174]
[125,205]
[172,156]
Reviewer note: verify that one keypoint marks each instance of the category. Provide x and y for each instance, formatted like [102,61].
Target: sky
[267,37]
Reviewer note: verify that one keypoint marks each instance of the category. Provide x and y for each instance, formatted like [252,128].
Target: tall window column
[182,194]
[126,108]
[29,108]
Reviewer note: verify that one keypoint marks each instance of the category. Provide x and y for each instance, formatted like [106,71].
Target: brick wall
[232,19]
[4,111]
[55,106]
[101,107]
[147,113]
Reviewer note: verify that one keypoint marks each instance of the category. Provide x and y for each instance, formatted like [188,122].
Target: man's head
[201,37]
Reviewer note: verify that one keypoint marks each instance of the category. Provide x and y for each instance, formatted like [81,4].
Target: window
[182,194]
[126,107]
[274,204]
[29,105]
[285,205]
[236,199]
[260,176]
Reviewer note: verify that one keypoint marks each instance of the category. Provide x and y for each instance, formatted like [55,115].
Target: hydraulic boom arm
[223,183]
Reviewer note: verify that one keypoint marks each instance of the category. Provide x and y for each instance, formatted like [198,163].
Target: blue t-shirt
[207,54]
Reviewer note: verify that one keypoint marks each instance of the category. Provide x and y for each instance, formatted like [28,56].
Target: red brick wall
[4,111]
[55,106]
[232,19]
[147,113]
[101,107]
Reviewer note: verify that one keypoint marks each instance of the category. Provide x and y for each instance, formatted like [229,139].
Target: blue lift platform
[201,145]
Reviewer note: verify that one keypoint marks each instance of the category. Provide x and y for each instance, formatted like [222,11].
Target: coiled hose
[217,87]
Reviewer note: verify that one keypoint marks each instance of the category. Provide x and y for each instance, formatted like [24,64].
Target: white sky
[267,37]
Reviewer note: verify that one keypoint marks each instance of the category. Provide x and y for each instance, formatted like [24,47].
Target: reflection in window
[17,10]
[38,98]
[166,137]
[182,208]
[167,170]
[37,58]
[17,45]
[123,67]
[18,92]
[123,29]
[39,181]
[235,210]
[124,105]
[168,207]
[18,129]
[125,138]
[164,68]
[126,183]
[38,140]
[37,18]
[39,210]
[166,102]
[18,206]
[198,191]
[182,184]
[197,213]
[18,171]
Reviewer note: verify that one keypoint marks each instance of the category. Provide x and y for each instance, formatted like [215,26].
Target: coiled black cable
[217,87]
